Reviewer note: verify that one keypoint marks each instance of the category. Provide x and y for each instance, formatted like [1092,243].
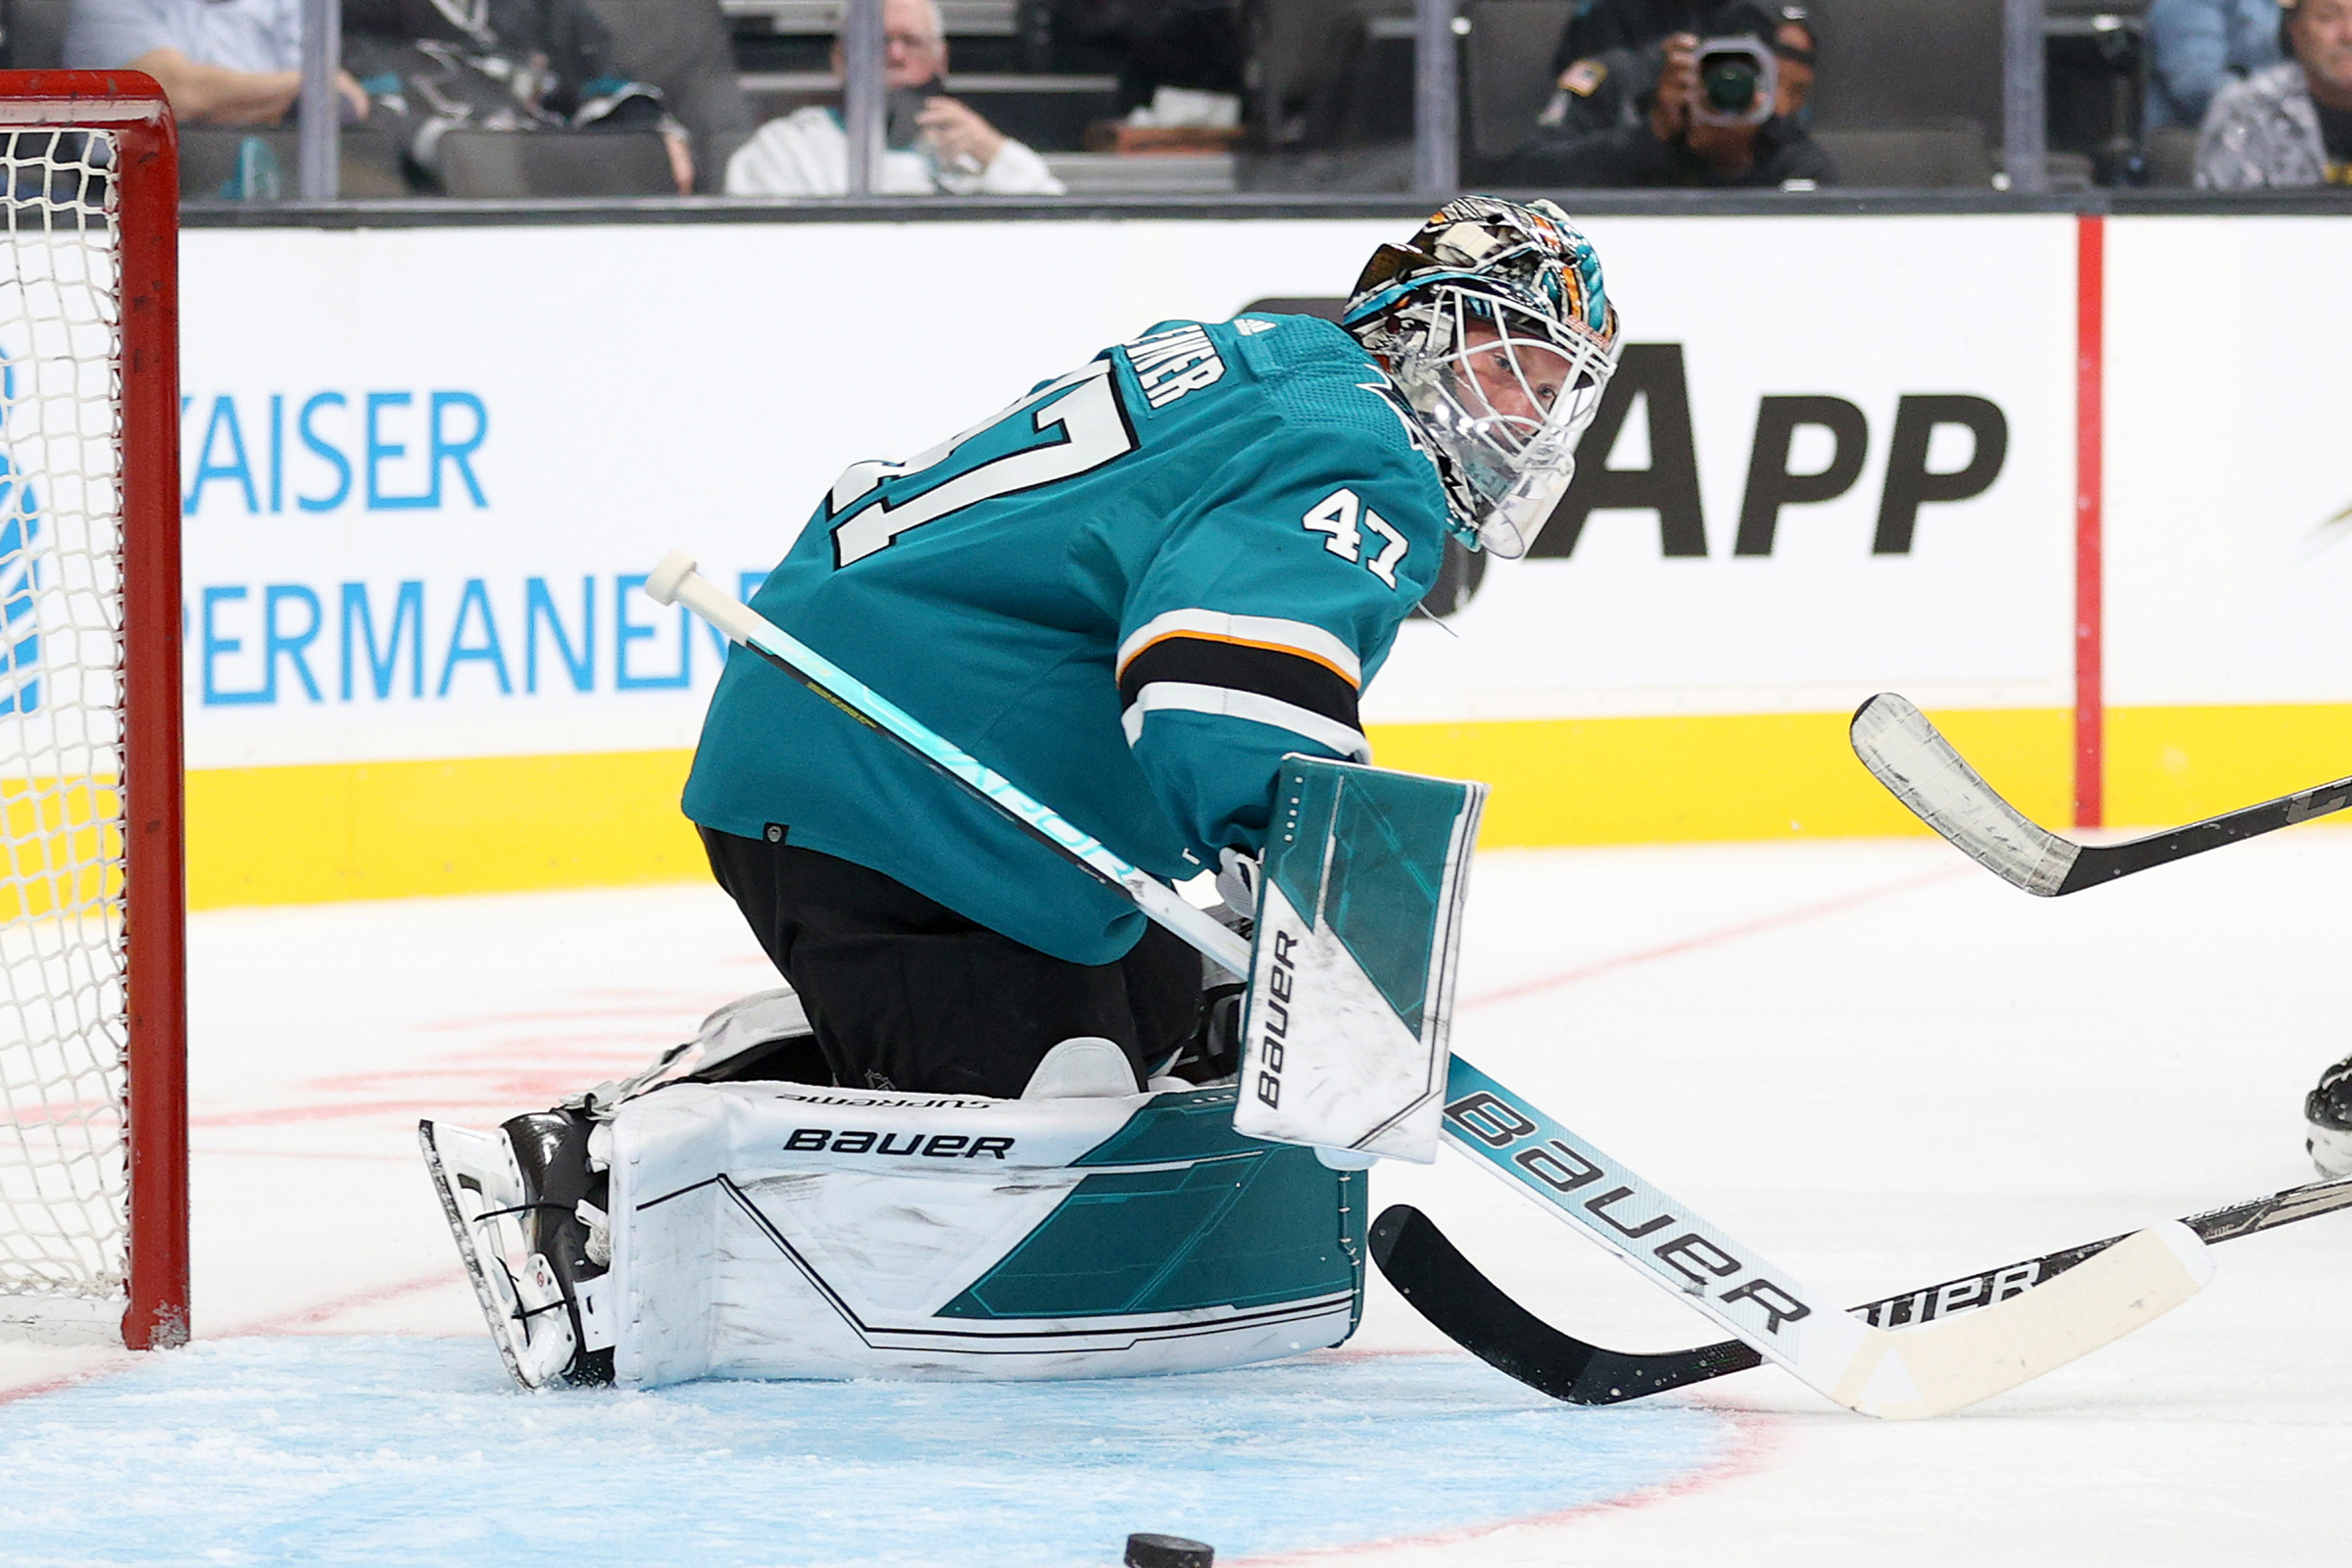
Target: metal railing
[317,135]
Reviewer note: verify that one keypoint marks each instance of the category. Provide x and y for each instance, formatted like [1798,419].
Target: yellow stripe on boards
[389,830]
[63,843]
[2167,766]
[380,830]
[1717,776]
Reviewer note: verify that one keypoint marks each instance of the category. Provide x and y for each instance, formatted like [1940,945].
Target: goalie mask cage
[94,1116]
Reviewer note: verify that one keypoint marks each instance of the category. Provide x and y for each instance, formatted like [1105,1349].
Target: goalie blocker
[1352,970]
[696,1221]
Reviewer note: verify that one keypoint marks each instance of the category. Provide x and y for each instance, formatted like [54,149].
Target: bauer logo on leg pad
[1352,974]
[931,1146]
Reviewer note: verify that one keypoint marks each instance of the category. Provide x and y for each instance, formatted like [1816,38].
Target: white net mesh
[63,1032]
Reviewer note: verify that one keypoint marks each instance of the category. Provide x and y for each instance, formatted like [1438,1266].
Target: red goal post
[93,1036]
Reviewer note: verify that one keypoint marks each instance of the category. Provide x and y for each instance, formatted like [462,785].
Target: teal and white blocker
[1131,593]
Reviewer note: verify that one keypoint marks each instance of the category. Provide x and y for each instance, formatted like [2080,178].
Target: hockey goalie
[989,1129]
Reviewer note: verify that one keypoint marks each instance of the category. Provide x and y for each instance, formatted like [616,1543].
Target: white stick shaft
[675,581]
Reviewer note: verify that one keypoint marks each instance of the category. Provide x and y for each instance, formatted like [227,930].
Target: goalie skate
[524,1247]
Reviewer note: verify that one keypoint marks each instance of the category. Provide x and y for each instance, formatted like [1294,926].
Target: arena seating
[1908,96]
[209,157]
[683,47]
[1928,156]
[1507,73]
[492,164]
[2170,156]
[35,31]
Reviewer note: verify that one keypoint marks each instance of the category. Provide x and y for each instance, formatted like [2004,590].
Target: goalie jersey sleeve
[1254,632]
[1132,593]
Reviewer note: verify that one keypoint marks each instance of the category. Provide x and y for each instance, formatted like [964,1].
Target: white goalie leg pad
[782,1230]
[1351,975]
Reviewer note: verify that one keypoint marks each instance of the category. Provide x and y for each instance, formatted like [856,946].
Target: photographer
[1723,111]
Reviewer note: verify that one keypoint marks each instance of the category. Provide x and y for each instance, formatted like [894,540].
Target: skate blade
[534,1360]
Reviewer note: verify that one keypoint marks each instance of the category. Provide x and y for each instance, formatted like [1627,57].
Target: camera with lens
[1737,77]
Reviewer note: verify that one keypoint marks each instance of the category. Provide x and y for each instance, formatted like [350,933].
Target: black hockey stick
[1473,1312]
[1906,753]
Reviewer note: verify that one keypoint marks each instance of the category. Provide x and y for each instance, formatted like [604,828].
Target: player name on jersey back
[1168,365]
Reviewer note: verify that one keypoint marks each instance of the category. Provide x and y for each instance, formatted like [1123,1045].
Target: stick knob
[669,576]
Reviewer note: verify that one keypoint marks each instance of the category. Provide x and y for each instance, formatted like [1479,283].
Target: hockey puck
[1168,1551]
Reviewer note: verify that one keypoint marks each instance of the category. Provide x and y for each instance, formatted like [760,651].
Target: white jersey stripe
[1300,637]
[1186,696]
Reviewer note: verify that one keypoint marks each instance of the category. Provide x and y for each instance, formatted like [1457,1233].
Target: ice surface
[383,1450]
[1874,1060]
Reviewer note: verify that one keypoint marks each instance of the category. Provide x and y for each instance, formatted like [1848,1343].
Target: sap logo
[929,1145]
[1652,373]
[1281,980]
[1705,1264]
[384,451]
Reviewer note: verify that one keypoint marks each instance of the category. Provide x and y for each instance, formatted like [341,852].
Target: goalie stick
[1912,759]
[1926,1371]
[1476,1313]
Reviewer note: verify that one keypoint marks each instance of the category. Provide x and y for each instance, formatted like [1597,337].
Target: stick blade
[1473,1311]
[1906,753]
[1469,1310]
[1955,1362]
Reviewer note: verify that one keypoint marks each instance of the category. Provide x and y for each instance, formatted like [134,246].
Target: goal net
[92,1119]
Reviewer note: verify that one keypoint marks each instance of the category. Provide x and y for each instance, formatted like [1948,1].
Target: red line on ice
[1709,939]
[1754,1437]
[66,1379]
[310,1316]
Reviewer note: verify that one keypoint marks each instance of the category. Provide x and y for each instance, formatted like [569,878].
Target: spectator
[536,66]
[219,61]
[1615,85]
[946,146]
[1675,129]
[2197,46]
[2290,124]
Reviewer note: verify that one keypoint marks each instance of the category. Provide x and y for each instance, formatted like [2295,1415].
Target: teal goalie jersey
[1131,593]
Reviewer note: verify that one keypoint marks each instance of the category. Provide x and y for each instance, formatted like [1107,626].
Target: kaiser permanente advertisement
[426,470]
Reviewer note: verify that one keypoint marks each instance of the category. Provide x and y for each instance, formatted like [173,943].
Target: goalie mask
[1493,323]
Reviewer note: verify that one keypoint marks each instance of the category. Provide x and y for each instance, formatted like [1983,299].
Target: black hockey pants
[907,993]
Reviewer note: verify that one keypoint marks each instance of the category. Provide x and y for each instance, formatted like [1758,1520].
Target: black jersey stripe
[1292,678]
